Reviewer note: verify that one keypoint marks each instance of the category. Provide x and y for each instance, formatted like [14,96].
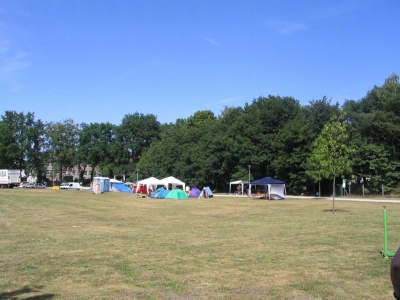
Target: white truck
[9,178]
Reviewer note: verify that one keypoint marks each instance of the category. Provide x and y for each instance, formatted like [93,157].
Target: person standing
[395,274]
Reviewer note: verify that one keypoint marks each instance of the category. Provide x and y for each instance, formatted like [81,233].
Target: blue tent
[206,193]
[119,186]
[160,193]
[267,180]
[274,189]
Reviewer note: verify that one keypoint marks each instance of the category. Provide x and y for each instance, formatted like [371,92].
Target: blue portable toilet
[101,185]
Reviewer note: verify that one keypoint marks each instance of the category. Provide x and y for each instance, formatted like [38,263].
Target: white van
[70,186]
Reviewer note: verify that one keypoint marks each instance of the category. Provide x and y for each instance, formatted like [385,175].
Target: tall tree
[62,143]
[36,158]
[160,160]
[332,153]
[375,134]
[13,140]
[134,136]
[319,112]
[292,145]
[97,142]
[21,143]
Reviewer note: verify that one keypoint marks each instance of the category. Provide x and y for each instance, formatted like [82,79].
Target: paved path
[349,199]
[328,198]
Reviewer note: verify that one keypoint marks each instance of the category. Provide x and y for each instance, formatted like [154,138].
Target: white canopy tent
[152,181]
[237,182]
[171,180]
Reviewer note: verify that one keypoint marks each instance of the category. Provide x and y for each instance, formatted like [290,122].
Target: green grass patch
[77,245]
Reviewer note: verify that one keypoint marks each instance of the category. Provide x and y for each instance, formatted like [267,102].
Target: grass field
[77,245]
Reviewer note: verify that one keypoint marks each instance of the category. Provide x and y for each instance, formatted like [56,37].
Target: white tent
[173,181]
[150,182]
[241,182]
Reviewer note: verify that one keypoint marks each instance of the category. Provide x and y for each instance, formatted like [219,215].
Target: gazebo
[274,189]
[237,182]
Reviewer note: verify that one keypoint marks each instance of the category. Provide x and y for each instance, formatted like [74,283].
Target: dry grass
[77,245]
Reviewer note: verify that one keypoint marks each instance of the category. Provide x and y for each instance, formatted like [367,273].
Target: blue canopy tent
[274,189]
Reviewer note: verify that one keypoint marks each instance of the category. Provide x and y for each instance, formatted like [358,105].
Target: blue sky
[95,61]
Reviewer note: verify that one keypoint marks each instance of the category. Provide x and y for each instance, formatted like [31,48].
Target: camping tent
[151,183]
[237,182]
[177,194]
[119,186]
[194,192]
[275,188]
[160,193]
[171,183]
[206,193]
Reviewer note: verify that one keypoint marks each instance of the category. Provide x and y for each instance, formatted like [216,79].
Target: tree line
[311,147]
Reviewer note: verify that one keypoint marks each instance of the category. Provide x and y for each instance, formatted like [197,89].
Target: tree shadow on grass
[17,294]
[335,211]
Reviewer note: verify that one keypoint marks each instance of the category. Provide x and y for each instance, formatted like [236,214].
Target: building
[54,174]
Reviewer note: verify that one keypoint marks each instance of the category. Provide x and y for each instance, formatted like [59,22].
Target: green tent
[177,194]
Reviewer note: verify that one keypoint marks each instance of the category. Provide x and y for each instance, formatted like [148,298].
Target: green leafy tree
[186,150]
[160,160]
[21,143]
[251,133]
[134,136]
[227,148]
[13,140]
[319,112]
[316,165]
[97,147]
[292,145]
[374,162]
[62,143]
[375,134]
[331,154]
[36,158]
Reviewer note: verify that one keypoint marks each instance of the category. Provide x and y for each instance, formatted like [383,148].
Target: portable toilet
[101,185]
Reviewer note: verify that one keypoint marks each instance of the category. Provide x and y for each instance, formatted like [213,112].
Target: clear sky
[97,60]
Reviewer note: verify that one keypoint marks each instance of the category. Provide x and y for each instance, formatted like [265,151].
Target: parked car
[63,185]
[24,184]
[70,186]
[38,186]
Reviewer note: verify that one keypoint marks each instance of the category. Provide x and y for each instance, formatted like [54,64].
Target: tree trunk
[333,199]
[319,188]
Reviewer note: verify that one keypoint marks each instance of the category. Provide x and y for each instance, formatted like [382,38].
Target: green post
[386,253]
[385,232]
